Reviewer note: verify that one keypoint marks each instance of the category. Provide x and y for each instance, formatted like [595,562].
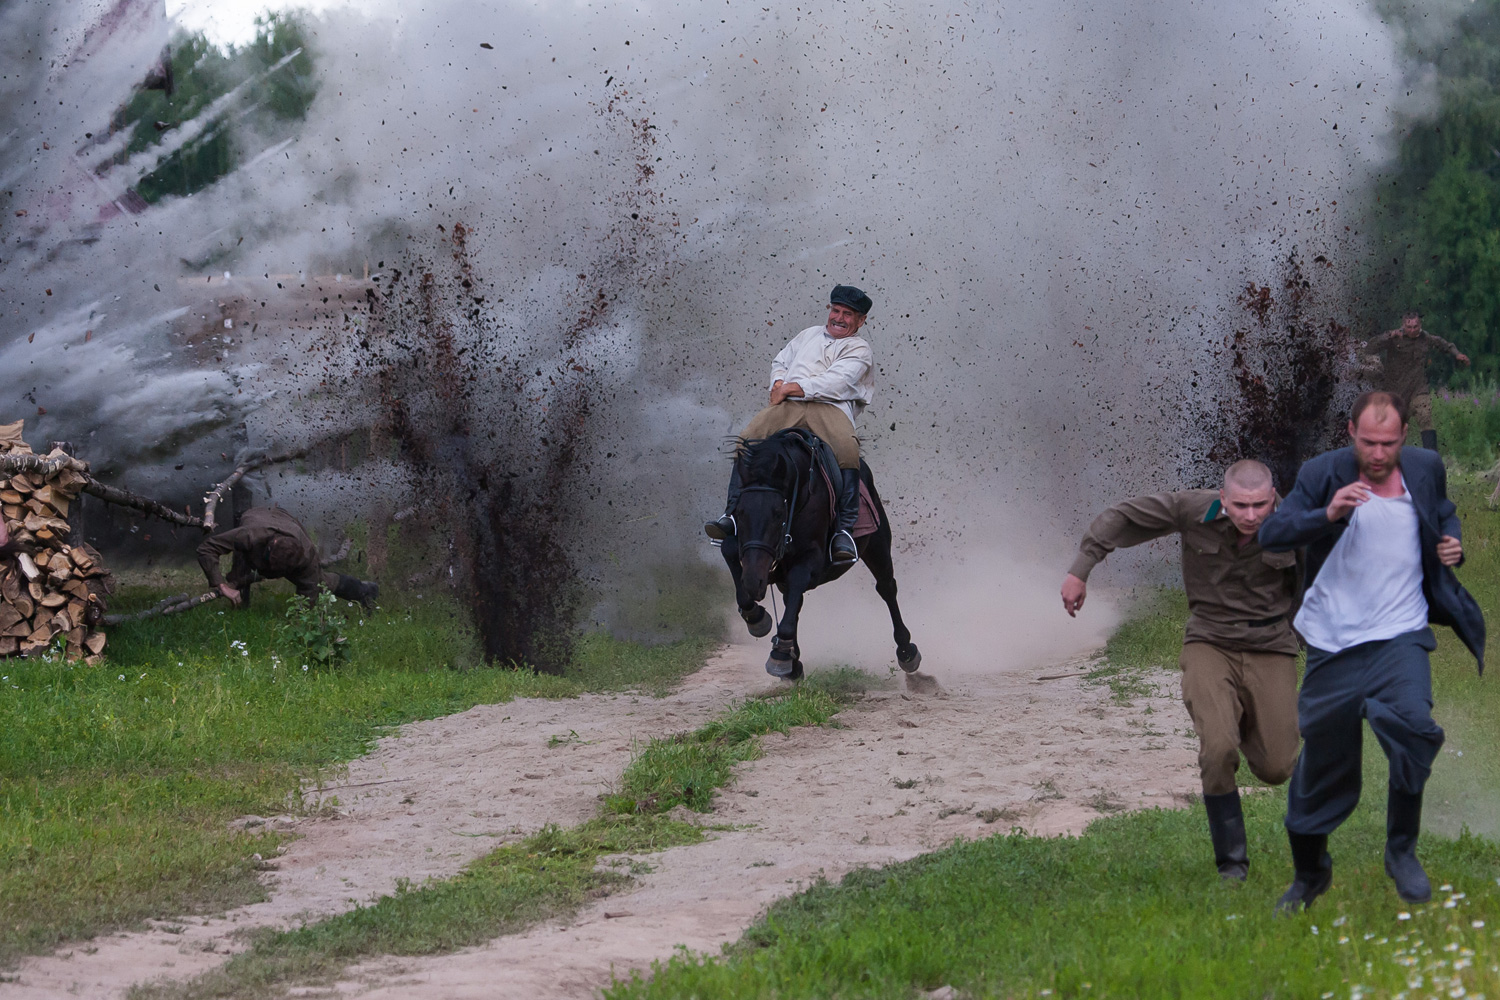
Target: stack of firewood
[51,592]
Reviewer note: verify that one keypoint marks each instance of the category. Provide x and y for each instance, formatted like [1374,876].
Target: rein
[779,549]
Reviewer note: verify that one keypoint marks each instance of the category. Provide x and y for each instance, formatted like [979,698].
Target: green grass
[687,769]
[1467,424]
[549,874]
[1147,642]
[1132,907]
[117,781]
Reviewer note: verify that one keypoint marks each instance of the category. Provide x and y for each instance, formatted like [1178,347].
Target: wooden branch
[125,498]
[250,464]
[44,464]
[167,606]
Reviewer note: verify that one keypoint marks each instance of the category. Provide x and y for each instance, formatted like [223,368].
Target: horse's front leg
[757,618]
[786,659]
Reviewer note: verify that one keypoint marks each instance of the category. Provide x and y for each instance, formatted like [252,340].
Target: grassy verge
[116,782]
[1132,908]
[1147,642]
[550,874]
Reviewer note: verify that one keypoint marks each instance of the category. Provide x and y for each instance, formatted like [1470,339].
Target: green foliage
[312,631]
[1440,212]
[236,123]
[1468,424]
[117,781]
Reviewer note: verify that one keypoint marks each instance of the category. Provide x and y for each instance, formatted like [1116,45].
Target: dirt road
[1045,755]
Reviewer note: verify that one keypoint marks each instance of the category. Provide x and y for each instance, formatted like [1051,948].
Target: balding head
[1248,496]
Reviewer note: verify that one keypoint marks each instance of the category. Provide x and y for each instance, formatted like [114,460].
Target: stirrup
[832,555]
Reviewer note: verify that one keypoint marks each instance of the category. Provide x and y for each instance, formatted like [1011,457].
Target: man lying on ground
[1239,673]
[1382,539]
[269,544]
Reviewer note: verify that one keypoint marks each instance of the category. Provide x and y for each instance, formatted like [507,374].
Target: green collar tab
[1215,509]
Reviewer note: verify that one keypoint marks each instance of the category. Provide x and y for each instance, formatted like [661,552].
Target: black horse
[782,522]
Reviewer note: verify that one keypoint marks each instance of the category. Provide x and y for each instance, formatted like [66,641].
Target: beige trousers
[824,419]
[1241,703]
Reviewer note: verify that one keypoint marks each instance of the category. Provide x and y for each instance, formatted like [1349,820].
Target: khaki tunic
[250,543]
[1233,591]
[1403,361]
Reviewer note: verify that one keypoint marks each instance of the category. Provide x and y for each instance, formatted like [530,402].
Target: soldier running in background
[1239,672]
[269,542]
[1401,356]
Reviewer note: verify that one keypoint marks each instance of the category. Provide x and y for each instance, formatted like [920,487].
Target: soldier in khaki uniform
[1239,674]
[1401,355]
[269,542]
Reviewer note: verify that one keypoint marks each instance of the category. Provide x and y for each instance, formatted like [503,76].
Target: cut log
[61,622]
[76,588]
[95,643]
[8,616]
[35,589]
[52,599]
[9,646]
[76,637]
[40,636]
[10,588]
[11,497]
[23,604]
[20,629]
[28,566]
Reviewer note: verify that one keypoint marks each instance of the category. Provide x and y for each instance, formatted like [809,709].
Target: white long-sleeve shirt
[829,370]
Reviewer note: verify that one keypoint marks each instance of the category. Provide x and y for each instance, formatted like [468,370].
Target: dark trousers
[1388,683]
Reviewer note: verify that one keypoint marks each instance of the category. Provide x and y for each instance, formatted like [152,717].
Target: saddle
[827,465]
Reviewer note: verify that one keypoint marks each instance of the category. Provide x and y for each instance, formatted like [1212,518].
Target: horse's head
[770,473]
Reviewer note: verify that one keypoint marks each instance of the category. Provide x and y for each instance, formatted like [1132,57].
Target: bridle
[779,549]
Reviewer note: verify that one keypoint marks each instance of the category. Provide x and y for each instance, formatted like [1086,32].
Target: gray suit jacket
[1301,520]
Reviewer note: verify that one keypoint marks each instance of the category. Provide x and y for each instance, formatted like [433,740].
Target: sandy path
[1049,754]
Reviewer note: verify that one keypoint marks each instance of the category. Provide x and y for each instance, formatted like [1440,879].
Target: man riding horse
[820,381]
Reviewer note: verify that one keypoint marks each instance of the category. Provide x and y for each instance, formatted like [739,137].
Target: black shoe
[1403,821]
[721,529]
[1226,827]
[1429,440]
[1314,873]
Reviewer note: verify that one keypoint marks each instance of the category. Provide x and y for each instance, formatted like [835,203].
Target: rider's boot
[724,527]
[843,552]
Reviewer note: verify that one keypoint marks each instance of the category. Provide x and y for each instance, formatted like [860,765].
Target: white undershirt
[1371,586]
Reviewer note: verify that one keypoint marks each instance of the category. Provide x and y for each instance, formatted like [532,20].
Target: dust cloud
[1054,210]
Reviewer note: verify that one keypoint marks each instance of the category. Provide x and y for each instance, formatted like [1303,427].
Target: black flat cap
[848,295]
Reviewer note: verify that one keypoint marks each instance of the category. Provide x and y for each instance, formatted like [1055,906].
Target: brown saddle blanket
[868,521]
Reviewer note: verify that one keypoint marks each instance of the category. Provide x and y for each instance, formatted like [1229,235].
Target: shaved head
[1247,475]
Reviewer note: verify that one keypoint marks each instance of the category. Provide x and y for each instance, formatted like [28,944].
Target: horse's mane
[770,461]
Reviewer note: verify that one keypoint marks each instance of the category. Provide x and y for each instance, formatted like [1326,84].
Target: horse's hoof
[909,657]
[759,626]
[783,659]
[796,674]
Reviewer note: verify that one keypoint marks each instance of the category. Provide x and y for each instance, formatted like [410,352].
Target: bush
[313,631]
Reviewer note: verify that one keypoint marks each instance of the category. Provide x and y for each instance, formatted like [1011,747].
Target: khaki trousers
[1241,702]
[825,420]
[1419,411]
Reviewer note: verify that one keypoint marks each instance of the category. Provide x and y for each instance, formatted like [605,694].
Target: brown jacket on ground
[1240,597]
[251,544]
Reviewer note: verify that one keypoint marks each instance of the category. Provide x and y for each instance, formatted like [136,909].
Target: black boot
[1429,440]
[1403,821]
[725,527]
[1226,826]
[350,589]
[843,552]
[1314,872]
